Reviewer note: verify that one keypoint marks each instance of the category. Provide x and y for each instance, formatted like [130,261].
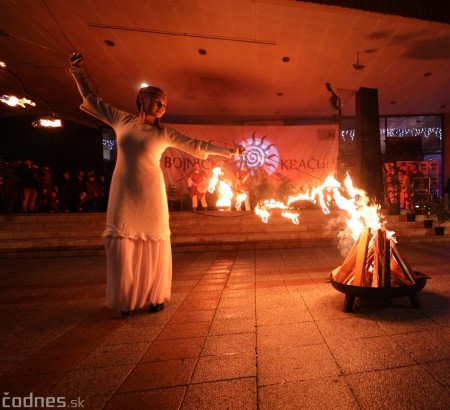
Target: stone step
[26,235]
[40,234]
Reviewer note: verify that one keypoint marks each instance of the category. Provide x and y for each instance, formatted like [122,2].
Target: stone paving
[254,329]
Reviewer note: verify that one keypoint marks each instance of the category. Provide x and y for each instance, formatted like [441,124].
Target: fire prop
[263,211]
[239,199]
[225,193]
[374,267]
[12,101]
[374,261]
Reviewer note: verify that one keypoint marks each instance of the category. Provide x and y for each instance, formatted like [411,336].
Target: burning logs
[374,261]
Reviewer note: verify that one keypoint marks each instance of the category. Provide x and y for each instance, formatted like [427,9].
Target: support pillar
[368,164]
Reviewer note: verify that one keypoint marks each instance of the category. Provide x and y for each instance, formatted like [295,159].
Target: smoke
[344,238]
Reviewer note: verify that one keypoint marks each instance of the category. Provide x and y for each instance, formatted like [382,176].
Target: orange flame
[12,101]
[225,193]
[239,199]
[263,210]
[216,172]
[361,211]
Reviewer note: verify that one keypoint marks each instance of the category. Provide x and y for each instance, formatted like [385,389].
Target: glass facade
[411,150]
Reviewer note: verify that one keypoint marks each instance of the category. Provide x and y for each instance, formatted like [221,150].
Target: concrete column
[446,153]
[368,166]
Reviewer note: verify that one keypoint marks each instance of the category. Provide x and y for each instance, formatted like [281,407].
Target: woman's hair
[152,92]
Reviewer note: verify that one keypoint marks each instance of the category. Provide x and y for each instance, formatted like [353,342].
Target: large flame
[362,212]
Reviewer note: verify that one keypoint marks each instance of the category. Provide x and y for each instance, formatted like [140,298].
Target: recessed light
[285,59]
[202,51]
[110,43]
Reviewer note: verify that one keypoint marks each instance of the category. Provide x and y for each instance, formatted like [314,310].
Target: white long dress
[137,234]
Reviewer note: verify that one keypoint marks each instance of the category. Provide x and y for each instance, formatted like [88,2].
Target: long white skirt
[138,272]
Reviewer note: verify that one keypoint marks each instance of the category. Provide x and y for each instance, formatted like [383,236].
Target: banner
[282,160]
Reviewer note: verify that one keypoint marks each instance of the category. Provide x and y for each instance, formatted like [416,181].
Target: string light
[427,132]
[110,145]
[347,135]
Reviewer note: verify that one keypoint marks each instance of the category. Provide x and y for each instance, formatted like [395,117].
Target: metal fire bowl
[351,292]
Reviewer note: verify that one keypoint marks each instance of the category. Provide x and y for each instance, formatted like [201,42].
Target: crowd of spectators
[26,187]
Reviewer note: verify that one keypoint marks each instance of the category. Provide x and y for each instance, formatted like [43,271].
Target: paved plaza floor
[249,329]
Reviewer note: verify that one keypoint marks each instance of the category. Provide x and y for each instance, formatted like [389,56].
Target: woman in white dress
[137,235]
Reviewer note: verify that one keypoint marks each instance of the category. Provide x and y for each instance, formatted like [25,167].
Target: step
[26,235]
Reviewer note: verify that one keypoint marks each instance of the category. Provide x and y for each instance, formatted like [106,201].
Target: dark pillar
[368,167]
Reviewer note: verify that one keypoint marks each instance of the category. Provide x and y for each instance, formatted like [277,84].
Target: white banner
[282,160]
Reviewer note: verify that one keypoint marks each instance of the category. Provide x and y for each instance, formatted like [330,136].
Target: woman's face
[154,105]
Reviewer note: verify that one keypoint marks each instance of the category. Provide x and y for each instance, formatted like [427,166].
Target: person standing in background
[28,185]
[243,179]
[196,177]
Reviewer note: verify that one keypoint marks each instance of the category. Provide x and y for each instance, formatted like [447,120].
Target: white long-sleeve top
[137,206]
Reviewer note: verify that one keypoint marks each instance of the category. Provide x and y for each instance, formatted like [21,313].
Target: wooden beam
[361,256]
[387,263]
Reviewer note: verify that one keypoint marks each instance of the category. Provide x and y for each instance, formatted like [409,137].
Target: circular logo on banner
[260,153]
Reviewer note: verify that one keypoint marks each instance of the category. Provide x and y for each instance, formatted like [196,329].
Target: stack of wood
[374,261]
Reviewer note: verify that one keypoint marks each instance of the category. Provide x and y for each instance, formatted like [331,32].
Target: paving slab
[244,329]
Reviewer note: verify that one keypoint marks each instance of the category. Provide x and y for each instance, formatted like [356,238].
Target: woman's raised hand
[75,60]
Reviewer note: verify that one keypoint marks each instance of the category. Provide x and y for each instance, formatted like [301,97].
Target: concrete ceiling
[223,61]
